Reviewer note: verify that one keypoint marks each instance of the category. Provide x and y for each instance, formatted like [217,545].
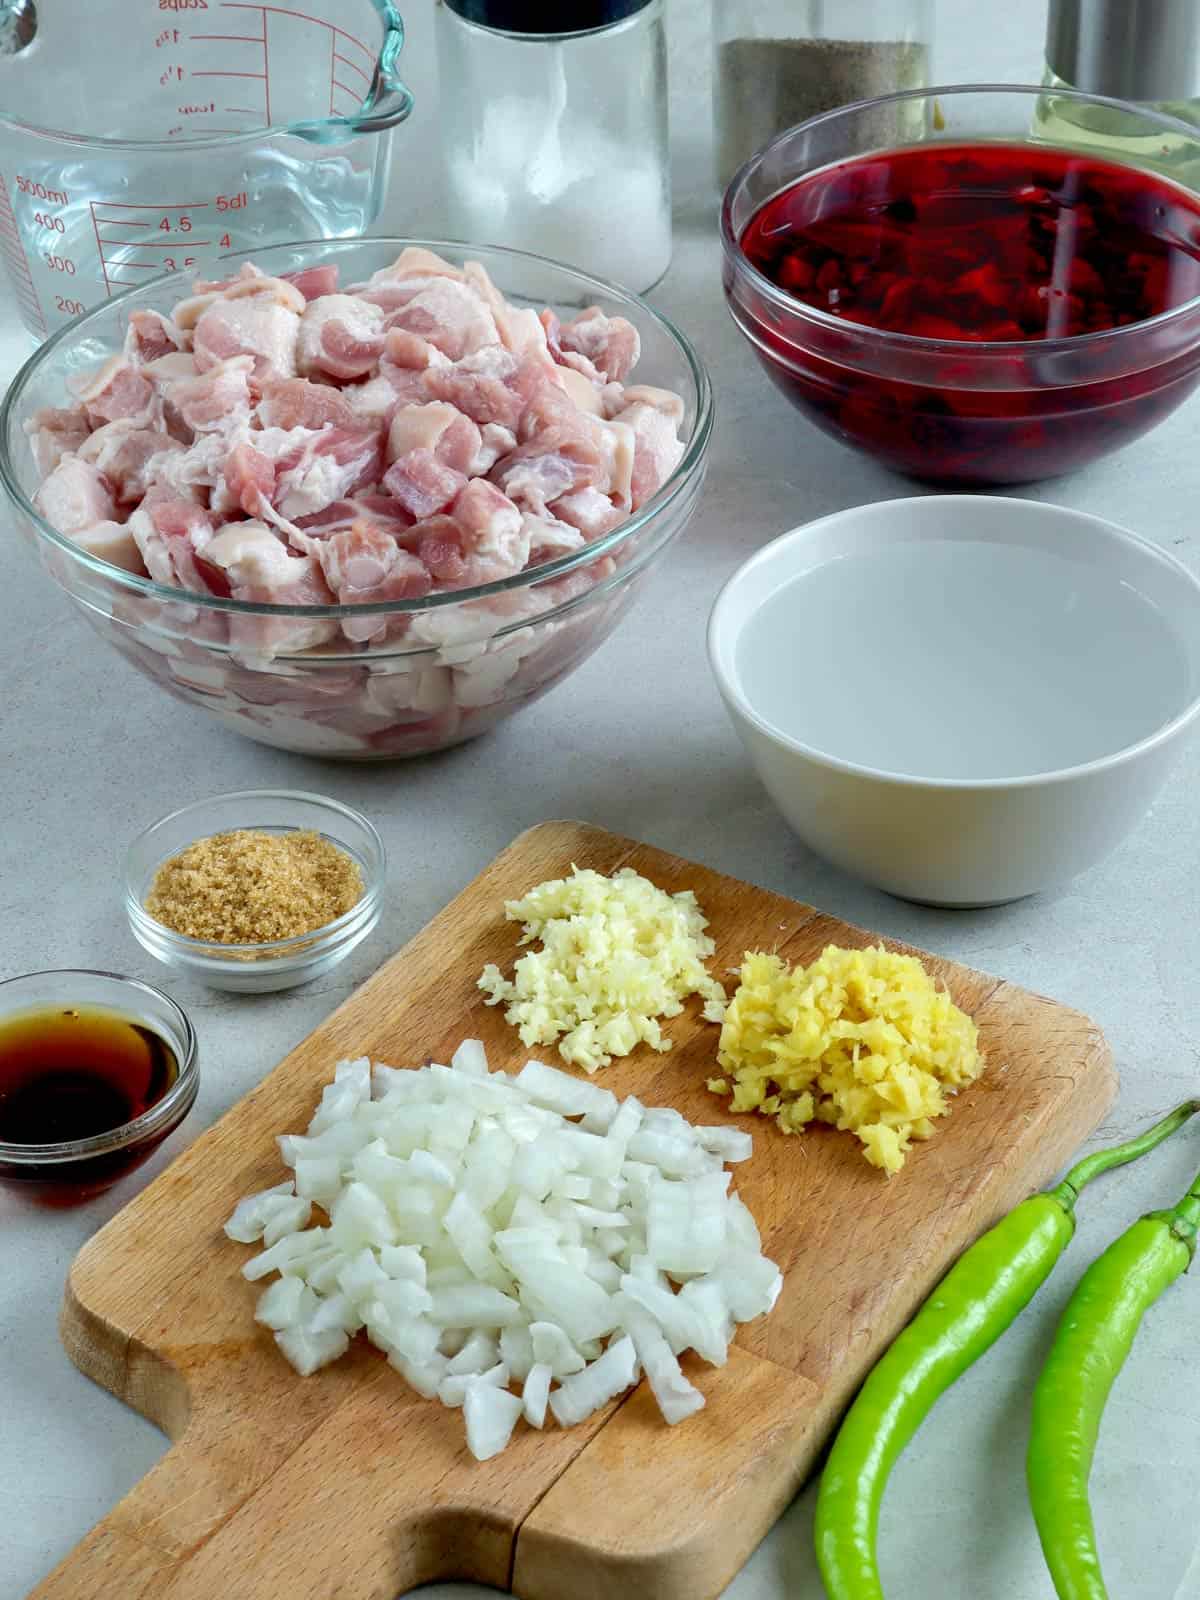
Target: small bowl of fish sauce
[994,298]
[95,1071]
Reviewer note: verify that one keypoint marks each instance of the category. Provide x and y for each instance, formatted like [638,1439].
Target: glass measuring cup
[167,133]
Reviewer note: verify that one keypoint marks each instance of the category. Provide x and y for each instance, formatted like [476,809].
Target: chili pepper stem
[1184,1219]
[1083,1172]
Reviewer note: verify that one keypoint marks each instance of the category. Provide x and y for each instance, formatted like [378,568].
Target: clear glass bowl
[64,1173]
[957,411]
[280,963]
[499,645]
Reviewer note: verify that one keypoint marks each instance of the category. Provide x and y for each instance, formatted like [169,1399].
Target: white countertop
[637,741]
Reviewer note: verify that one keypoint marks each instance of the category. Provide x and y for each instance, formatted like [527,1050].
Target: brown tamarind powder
[251,887]
[766,85]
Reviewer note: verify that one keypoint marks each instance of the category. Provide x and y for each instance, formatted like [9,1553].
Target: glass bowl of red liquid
[978,284]
[95,1071]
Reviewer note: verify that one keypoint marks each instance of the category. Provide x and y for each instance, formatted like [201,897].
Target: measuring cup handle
[390,105]
[389,101]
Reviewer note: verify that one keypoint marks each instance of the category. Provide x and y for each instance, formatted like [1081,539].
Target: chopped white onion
[535,1393]
[582,1394]
[491,1415]
[484,1238]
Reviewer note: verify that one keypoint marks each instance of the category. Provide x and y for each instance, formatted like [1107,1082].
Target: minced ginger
[862,1039]
[617,954]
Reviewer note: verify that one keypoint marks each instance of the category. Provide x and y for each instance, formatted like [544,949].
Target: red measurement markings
[337,35]
[346,62]
[264,77]
[18,262]
[115,238]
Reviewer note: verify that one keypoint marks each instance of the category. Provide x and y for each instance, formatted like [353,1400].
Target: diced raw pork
[172,535]
[484,387]
[190,473]
[53,432]
[553,464]
[550,537]
[217,400]
[495,441]
[586,395]
[127,454]
[591,512]
[644,394]
[299,581]
[492,540]
[450,315]
[618,451]
[454,439]
[421,483]
[249,482]
[611,344]
[333,464]
[380,509]
[313,282]
[612,399]
[297,403]
[443,438]
[115,390]
[410,352]
[255,325]
[340,335]
[111,542]
[75,496]
[250,282]
[521,329]
[151,336]
[364,564]
[250,553]
[658,450]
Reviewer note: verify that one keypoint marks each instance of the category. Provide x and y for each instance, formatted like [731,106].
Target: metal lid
[545,16]
[1132,49]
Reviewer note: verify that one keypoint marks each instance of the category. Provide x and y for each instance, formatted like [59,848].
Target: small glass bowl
[75,1169]
[278,963]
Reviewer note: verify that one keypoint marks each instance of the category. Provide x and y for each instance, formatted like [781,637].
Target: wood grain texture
[347,1486]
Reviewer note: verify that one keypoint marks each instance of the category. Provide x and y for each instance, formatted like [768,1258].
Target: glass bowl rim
[692,458]
[312,945]
[168,1112]
[888,338]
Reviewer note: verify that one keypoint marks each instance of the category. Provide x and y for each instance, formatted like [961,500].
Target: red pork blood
[287,443]
[962,244]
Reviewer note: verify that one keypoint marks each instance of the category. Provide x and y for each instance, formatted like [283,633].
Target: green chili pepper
[972,1306]
[1093,1339]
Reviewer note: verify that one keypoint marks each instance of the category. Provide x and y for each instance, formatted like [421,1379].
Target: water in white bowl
[947,659]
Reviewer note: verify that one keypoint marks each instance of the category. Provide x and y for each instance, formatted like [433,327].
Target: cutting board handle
[243,1505]
[381,1535]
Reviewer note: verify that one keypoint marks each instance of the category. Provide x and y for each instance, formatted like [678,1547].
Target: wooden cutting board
[347,1486]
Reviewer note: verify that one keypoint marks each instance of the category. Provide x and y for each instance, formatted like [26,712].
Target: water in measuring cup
[74,235]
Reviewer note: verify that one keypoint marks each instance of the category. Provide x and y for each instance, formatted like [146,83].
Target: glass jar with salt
[555,137]
[779,62]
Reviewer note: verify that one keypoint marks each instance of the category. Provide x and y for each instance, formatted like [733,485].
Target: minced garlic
[617,955]
[862,1039]
[250,887]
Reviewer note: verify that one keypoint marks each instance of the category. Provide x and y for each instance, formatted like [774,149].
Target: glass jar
[777,63]
[1146,55]
[556,142]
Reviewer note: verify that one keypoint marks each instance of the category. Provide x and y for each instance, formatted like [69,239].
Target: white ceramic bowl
[960,698]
